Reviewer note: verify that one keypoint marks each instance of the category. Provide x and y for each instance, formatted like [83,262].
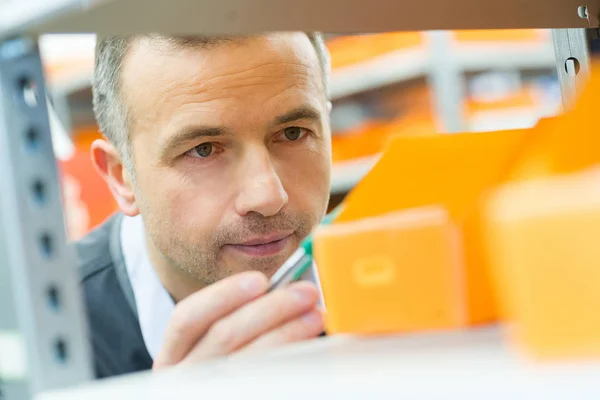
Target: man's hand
[235,314]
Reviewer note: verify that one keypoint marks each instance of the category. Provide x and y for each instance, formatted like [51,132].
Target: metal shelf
[454,365]
[235,16]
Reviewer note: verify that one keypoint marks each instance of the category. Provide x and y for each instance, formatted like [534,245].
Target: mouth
[264,246]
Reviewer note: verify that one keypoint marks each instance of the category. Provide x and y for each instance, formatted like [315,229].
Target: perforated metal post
[43,341]
[572,61]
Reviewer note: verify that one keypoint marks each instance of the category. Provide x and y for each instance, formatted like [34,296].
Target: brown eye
[204,150]
[292,133]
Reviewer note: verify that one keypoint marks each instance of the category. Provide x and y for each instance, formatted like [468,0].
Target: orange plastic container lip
[349,50]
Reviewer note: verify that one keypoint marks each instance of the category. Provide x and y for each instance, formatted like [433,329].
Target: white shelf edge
[474,57]
[469,364]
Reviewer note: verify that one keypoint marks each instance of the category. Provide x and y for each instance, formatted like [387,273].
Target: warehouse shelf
[411,63]
[393,67]
[472,364]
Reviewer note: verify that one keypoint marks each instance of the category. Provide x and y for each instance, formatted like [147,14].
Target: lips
[266,245]
[273,237]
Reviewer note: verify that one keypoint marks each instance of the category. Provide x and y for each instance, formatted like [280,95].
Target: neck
[177,282]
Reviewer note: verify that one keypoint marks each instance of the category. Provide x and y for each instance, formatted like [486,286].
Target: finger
[308,326]
[194,315]
[255,319]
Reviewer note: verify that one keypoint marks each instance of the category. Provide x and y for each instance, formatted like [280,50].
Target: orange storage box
[544,236]
[398,272]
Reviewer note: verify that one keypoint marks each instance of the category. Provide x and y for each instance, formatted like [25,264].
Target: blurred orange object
[88,200]
[500,35]
[453,171]
[403,273]
[353,49]
[366,140]
[542,229]
[543,236]
[568,143]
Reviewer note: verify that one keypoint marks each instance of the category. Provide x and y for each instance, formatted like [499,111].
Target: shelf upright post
[572,50]
[43,334]
[447,82]
[572,61]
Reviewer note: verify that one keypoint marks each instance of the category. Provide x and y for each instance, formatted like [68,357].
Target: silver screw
[582,12]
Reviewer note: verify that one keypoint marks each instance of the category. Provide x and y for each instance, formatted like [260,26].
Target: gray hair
[112,113]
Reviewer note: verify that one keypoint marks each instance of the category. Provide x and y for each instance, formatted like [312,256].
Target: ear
[109,165]
[329,106]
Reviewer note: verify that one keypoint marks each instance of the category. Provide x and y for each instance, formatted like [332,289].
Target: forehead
[162,81]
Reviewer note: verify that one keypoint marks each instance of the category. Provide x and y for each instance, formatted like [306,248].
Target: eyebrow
[299,113]
[190,134]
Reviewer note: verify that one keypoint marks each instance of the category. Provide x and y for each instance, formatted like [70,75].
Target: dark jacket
[116,338]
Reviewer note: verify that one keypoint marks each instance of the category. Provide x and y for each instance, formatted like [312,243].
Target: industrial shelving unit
[44,351]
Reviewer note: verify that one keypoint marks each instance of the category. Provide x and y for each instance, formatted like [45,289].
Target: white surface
[61,141]
[77,49]
[13,359]
[17,15]
[510,55]
[468,365]
[345,175]
[509,118]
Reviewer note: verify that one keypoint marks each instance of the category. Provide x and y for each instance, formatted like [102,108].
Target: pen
[297,264]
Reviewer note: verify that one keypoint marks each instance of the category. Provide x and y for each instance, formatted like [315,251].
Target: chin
[266,265]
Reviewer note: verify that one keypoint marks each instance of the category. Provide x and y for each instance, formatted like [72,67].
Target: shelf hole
[47,245]
[582,12]
[53,296]
[38,190]
[32,139]
[61,351]
[572,66]
[29,92]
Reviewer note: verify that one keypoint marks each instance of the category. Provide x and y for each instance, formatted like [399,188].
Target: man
[218,153]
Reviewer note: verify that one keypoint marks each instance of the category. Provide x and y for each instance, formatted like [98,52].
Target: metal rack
[43,335]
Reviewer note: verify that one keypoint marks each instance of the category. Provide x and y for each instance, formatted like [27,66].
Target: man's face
[231,148]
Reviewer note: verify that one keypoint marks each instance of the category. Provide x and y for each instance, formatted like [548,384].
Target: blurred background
[397,83]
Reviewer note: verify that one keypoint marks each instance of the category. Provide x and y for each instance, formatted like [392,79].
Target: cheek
[189,202]
[306,177]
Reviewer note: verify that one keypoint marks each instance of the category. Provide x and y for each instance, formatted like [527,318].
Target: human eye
[203,150]
[292,133]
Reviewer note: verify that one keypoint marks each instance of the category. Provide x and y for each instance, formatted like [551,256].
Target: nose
[261,189]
